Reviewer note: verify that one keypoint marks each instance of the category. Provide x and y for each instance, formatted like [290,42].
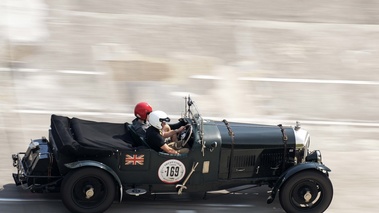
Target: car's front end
[304,183]
[302,152]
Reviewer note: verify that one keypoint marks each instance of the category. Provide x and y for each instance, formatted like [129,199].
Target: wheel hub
[90,192]
[307,196]
[306,192]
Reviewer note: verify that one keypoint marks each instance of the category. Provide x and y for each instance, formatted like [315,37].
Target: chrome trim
[302,140]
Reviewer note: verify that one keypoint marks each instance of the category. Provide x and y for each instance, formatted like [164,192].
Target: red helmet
[142,109]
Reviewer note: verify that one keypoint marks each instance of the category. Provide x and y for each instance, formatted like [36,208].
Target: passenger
[155,133]
[140,123]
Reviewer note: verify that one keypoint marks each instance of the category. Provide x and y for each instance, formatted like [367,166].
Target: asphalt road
[252,199]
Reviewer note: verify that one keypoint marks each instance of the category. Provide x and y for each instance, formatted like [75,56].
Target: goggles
[164,119]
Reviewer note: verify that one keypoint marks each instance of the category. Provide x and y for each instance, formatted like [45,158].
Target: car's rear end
[36,168]
[47,161]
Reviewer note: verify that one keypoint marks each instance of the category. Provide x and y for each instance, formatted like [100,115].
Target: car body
[93,163]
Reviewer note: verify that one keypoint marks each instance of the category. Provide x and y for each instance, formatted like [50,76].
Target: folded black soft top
[74,136]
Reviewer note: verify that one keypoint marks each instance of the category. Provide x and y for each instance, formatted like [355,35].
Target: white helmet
[157,117]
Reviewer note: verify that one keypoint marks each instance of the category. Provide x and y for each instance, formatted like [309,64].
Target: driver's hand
[181,129]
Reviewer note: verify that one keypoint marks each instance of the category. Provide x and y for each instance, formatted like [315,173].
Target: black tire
[88,190]
[308,191]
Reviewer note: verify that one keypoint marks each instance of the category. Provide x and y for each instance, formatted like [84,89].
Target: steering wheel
[186,135]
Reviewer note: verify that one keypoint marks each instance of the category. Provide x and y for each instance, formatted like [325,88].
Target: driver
[156,133]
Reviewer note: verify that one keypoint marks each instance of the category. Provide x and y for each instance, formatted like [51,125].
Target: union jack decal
[134,160]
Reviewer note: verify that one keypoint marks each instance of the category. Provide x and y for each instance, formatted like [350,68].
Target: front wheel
[307,191]
[88,190]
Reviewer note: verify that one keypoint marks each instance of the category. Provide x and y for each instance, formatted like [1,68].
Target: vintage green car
[94,163]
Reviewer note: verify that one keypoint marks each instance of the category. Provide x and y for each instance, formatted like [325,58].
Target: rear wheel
[88,190]
[307,191]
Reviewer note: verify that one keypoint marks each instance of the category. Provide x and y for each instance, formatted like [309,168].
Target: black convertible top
[74,136]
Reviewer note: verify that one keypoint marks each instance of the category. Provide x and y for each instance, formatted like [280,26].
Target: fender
[294,170]
[91,163]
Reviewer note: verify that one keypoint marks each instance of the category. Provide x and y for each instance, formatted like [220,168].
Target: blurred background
[238,59]
[254,61]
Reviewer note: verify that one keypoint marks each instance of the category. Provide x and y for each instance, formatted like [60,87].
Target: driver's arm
[168,132]
[168,149]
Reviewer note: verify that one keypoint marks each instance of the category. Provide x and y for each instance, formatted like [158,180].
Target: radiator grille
[243,161]
[271,158]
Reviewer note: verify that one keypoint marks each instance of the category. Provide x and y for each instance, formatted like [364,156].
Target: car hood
[254,135]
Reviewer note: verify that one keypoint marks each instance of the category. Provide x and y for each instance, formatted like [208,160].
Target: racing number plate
[171,171]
